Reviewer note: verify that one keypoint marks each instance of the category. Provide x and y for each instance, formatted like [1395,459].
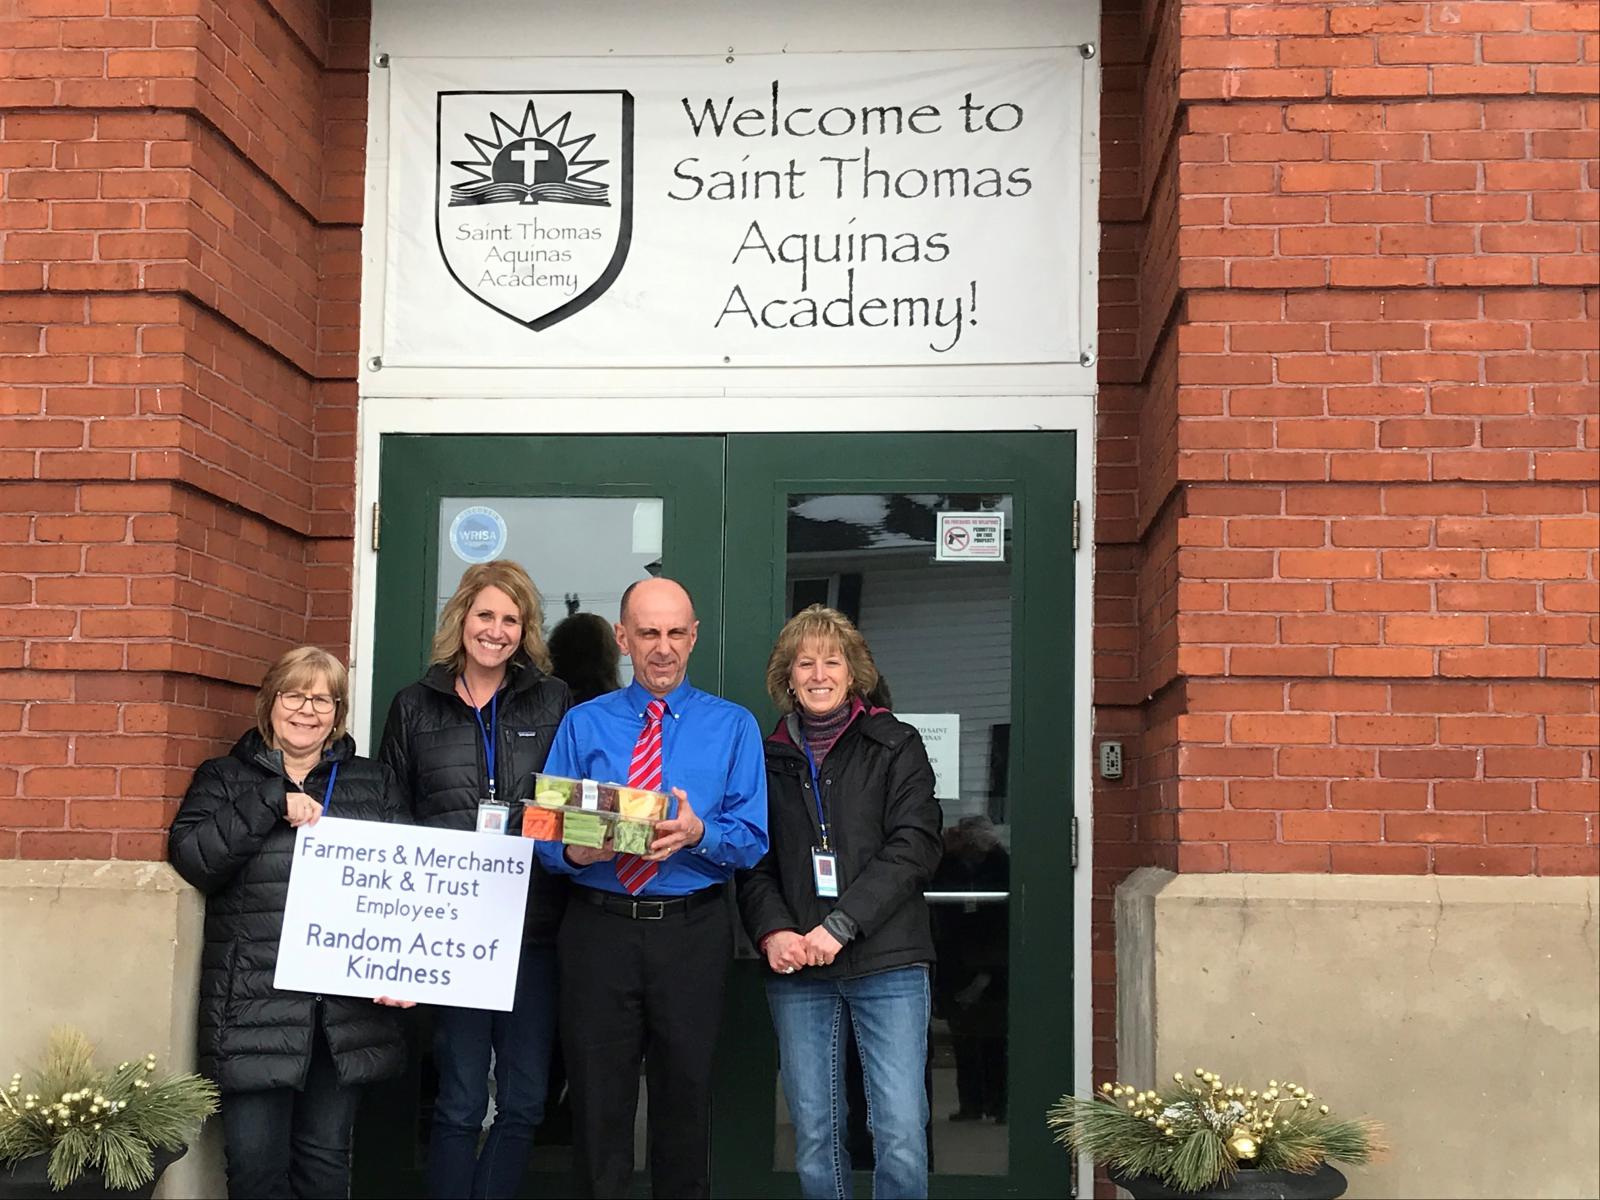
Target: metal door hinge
[1077,524]
[1074,842]
[376,517]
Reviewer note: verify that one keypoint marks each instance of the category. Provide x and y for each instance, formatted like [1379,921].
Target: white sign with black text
[906,208]
[431,915]
[971,537]
[941,734]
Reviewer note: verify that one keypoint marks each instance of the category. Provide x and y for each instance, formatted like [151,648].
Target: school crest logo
[533,197]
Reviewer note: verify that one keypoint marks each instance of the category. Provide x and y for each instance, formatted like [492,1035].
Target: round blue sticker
[478,534]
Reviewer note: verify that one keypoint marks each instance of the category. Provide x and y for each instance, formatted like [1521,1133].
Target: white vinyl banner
[807,209]
[432,915]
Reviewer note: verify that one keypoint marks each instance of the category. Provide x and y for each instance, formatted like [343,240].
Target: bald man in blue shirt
[645,944]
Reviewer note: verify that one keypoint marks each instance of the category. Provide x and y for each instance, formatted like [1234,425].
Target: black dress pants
[283,1144]
[642,990]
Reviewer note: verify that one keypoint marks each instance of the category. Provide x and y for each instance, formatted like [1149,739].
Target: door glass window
[581,551]
[940,633]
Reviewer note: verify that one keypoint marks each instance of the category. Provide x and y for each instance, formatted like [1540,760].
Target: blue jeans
[521,1040]
[889,1013]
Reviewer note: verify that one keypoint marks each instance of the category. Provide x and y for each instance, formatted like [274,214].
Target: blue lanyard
[488,735]
[816,791]
[327,792]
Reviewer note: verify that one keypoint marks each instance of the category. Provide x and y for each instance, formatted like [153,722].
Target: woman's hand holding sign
[300,809]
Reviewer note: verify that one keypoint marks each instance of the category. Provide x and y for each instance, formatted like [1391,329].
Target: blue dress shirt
[710,748]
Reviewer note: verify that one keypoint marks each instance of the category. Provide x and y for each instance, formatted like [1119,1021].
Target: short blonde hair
[298,669]
[510,578]
[830,627]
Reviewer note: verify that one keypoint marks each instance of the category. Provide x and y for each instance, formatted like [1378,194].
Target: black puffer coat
[433,745]
[884,826]
[230,840]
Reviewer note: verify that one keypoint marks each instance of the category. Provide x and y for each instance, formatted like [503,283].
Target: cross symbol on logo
[530,160]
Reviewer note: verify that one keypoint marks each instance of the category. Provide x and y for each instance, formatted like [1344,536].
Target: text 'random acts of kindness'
[430,915]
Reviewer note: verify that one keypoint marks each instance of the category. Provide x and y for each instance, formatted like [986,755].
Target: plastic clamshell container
[609,799]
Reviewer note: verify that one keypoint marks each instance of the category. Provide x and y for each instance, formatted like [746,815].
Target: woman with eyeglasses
[464,742]
[289,1065]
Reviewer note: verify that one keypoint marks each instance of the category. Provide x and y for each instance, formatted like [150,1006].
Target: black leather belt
[647,909]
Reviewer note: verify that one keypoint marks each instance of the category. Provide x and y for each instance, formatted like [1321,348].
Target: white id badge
[492,817]
[825,870]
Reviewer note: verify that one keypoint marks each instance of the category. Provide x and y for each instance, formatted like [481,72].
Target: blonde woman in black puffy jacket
[464,742]
[289,1065]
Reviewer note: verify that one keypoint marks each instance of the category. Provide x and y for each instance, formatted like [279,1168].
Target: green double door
[953,553]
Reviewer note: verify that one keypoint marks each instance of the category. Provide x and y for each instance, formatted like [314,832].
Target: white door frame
[669,414]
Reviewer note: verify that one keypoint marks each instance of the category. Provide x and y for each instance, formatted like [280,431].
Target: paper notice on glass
[941,734]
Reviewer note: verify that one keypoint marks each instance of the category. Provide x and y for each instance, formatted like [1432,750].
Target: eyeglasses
[295,701]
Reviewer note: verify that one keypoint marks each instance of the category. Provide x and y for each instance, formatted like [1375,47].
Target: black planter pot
[30,1180]
[1325,1183]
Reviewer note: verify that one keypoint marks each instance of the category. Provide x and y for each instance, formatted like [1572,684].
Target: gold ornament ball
[1243,1147]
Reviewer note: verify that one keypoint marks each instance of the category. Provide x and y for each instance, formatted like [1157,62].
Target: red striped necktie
[633,872]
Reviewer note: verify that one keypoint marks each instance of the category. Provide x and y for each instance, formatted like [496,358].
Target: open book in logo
[534,194]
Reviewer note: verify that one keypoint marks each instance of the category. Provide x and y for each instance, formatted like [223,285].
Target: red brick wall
[1346,589]
[1388,438]
[180,198]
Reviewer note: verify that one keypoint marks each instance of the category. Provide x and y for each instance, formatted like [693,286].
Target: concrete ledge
[112,948]
[1463,1012]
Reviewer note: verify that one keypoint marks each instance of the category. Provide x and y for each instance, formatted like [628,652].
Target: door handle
[966,897]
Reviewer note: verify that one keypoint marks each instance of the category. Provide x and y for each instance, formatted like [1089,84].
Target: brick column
[1346,575]
[1387,440]
[179,239]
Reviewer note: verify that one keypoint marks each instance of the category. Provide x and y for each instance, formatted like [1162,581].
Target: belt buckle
[640,913]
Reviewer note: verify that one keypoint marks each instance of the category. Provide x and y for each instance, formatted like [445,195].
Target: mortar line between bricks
[1402,680]
[1171,320]
[1169,151]
[1367,289]
[190,487]
[195,114]
[222,318]
[1584,484]
[294,34]
[1168,499]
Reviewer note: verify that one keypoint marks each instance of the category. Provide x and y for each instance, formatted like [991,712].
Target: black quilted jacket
[231,841]
[877,785]
[432,743]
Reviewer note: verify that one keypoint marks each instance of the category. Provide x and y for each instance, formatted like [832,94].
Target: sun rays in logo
[530,163]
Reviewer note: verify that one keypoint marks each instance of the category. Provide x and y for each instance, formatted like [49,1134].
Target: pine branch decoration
[88,1119]
[1197,1133]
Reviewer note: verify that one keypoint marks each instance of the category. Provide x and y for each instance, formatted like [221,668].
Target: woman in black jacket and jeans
[464,743]
[836,905]
[289,1065]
